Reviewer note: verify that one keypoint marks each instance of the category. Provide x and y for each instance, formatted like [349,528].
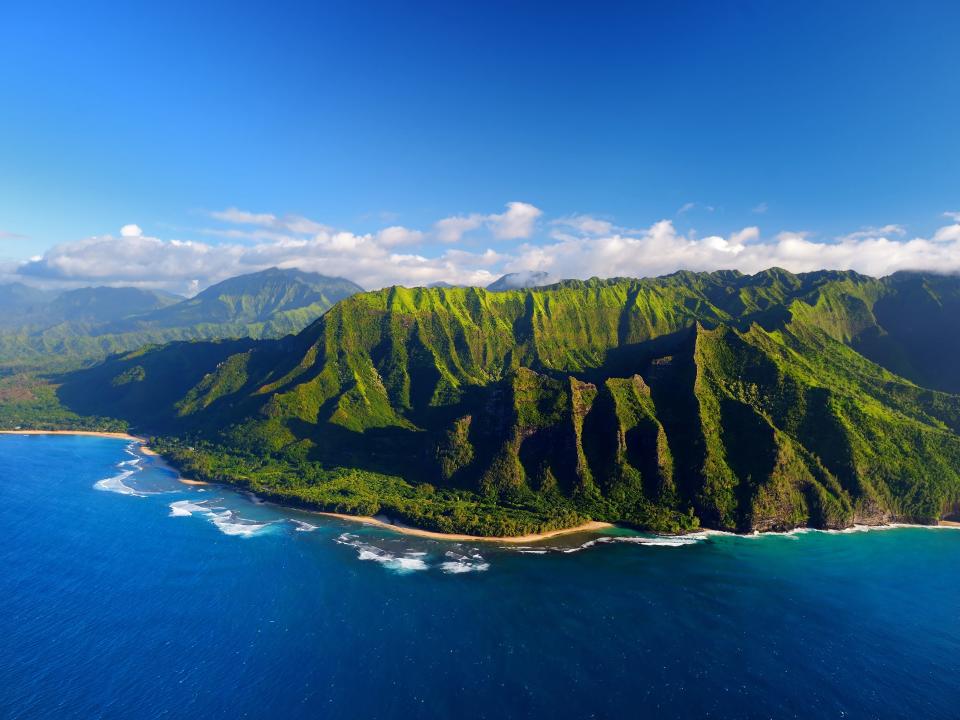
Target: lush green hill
[57,332]
[275,301]
[724,400]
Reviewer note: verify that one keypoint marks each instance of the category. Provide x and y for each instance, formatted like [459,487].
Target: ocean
[127,594]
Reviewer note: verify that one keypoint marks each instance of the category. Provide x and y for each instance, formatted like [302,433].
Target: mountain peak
[520,280]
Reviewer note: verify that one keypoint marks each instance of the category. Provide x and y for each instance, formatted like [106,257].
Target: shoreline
[142,443]
[88,433]
[592,526]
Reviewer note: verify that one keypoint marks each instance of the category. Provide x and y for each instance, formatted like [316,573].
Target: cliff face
[739,402]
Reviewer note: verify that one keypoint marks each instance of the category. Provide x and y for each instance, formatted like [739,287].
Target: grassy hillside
[737,402]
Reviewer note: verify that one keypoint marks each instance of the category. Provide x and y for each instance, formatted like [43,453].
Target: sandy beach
[92,433]
[144,448]
[592,526]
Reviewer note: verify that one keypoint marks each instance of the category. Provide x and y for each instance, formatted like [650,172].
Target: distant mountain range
[520,280]
[45,329]
[759,402]
[24,307]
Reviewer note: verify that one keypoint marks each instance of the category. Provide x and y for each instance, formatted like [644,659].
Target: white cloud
[585,224]
[185,266]
[451,229]
[516,223]
[955,216]
[948,234]
[747,235]
[243,217]
[578,246]
[287,223]
[875,232]
[690,206]
[760,209]
[398,235]
[661,249]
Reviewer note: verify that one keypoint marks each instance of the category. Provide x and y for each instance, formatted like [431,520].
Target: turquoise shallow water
[132,595]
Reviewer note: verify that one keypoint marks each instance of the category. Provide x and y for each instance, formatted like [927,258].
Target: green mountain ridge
[736,402]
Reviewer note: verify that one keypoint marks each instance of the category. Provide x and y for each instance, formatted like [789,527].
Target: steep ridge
[730,401]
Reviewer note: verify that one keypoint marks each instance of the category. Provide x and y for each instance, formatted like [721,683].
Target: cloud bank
[473,249]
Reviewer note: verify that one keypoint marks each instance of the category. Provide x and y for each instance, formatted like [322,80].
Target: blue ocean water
[126,594]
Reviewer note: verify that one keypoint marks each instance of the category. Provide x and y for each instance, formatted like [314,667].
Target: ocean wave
[463,563]
[116,484]
[301,526]
[186,508]
[584,546]
[226,521]
[229,523]
[795,533]
[666,541]
[407,562]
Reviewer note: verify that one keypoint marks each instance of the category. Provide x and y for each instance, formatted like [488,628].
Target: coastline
[90,433]
[589,527]
[592,526]
[144,448]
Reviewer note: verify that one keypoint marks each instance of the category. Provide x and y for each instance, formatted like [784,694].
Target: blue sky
[808,121]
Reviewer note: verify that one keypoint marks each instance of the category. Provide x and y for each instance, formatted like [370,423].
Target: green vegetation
[697,399]
[29,402]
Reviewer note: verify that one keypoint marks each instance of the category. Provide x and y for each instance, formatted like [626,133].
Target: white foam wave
[116,484]
[670,541]
[229,523]
[464,563]
[409,561]
[302,526]
[853,529]
[226,521]
[678,541]
[584,546]
[185,508]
